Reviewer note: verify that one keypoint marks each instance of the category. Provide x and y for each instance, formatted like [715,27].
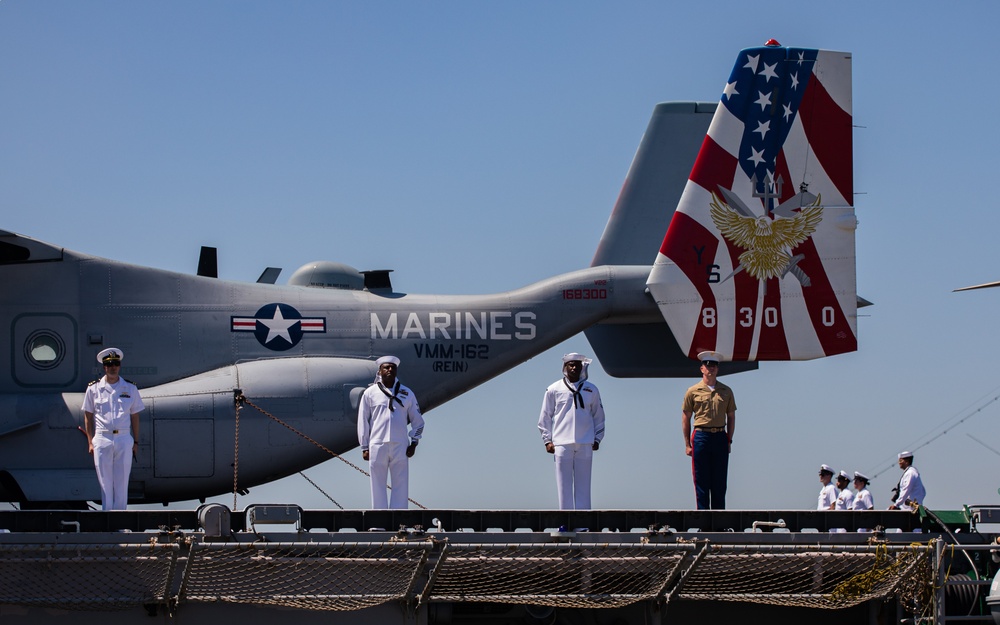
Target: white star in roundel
[730,90]
[278,326]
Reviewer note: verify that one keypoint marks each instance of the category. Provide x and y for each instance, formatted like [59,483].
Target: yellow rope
[883,569]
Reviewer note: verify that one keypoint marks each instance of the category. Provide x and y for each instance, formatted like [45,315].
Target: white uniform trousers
[113,460]
[388,460]
[573,466]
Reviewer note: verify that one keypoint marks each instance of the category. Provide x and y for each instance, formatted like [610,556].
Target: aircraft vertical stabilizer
[758,262]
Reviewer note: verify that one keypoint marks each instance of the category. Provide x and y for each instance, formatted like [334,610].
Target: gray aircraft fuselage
[302,354]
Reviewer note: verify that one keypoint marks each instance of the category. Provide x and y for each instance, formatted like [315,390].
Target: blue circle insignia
[278,327]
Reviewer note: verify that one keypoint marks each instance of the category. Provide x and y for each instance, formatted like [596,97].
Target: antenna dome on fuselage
[326,274]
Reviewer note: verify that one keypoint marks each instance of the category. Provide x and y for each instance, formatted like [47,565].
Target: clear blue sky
[491,140]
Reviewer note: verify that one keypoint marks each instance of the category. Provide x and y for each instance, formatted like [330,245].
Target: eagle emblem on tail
[768,242]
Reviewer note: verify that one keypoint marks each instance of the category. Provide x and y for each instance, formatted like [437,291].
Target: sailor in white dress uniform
[386,410]
[111,408]
[571,423]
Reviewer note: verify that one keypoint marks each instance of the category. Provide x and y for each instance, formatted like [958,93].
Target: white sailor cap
[570,357]
[390,359]
[861,476]
[710,356]
[843,476]
[111,353]
[825,468]
[905,454]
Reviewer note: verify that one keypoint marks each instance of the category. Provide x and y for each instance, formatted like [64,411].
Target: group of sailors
[836,494]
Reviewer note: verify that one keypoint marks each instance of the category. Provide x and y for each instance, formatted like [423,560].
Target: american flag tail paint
[758,262]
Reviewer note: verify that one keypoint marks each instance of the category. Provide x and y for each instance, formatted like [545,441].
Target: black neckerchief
[577,397]
[391,396]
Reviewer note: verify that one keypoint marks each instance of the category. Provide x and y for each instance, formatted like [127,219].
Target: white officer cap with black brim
[109,354]
[710,356]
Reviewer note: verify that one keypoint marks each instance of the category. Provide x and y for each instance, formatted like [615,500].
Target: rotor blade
[978,286]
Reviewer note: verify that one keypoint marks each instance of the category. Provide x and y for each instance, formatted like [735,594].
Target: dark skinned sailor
[389,427]
[572,427]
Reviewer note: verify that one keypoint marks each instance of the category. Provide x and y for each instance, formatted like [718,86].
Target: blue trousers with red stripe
[710,467]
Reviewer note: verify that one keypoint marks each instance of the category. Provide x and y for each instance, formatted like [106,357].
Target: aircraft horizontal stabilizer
[758,262]
[646,350]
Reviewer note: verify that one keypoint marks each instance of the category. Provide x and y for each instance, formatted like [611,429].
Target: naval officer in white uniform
[111,408]
[572,427]
[910,488]
[863,499]
[828,493]
[845,498]
[386,410]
